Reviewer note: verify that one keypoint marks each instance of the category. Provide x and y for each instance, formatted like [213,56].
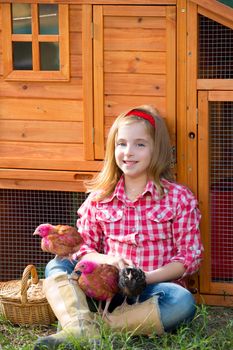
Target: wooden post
[181,91]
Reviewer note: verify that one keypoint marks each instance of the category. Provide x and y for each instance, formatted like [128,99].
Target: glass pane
[49,56]
[21,19]
[48,19]
[22,55]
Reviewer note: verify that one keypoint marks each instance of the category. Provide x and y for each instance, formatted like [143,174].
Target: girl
[135,215]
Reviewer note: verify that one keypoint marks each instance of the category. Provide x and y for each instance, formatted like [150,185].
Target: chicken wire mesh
[21,211]
[215,50]
[221,190]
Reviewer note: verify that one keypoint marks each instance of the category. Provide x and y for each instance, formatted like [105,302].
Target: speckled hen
[132,281]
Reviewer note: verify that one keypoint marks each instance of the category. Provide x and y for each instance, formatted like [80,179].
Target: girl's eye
[141,145]
[121,144]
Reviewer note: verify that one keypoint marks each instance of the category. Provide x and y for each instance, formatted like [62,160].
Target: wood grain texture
[181,90]
[192,96]
[203,187]
[88,98]
[41,131]
[41,109]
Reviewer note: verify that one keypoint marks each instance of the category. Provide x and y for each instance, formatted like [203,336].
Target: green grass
[212,329]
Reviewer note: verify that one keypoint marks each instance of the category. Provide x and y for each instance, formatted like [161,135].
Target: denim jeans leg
[176,303]
[57,265]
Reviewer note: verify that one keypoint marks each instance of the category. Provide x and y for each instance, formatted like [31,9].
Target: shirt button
[133,229]
[159,216]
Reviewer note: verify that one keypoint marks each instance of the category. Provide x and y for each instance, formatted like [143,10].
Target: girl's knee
[185,295]
[178,306]
[184,304]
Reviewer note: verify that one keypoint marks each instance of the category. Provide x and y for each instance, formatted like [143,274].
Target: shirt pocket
[113,225]
[109,215]
[160,223]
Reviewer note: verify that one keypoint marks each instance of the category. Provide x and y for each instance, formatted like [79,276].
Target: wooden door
[134,64]
[215,192]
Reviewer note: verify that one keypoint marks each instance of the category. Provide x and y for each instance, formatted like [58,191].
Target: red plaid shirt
[151,231]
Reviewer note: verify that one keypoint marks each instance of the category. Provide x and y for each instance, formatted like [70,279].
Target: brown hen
[62,240]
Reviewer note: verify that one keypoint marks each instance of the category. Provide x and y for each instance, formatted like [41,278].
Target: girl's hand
[117,261]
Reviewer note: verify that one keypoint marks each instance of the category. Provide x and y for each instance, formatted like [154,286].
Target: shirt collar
[119,191]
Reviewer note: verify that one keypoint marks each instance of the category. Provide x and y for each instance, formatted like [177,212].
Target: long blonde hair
[160,167]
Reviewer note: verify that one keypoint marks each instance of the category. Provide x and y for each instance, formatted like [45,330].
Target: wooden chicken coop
[68,68]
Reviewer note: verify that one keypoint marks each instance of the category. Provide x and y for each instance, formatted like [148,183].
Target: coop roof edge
[216,7]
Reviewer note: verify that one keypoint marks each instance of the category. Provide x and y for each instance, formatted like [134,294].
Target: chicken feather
[132,281]
[98,281]
[62,240]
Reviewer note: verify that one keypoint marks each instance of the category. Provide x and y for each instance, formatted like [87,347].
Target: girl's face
[133,150]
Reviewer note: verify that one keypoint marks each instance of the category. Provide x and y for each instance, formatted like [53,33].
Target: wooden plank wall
[41,123]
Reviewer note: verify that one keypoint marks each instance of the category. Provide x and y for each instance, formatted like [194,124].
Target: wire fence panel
[21,211]
[221,191]
[215,51]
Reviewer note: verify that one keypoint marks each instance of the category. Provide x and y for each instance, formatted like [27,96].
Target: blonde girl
[135,214]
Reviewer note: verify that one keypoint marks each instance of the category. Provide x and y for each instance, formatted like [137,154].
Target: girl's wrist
[150,278]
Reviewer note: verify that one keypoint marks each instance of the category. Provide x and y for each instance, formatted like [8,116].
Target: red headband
[143,115]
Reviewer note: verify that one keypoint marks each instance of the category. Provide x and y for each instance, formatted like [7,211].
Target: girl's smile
[129,163]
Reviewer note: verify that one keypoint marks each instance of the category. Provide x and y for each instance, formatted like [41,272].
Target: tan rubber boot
[70,307]
[141,318]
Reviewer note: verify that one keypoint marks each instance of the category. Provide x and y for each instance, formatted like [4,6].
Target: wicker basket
[23,302]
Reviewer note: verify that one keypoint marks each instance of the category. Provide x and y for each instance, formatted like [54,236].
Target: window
[35,42]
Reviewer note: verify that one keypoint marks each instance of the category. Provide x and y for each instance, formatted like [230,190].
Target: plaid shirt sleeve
[88,228]
[186,233]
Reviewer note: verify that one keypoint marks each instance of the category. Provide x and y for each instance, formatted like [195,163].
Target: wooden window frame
[215,84]
[35,74]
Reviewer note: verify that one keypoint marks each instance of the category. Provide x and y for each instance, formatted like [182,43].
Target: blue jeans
[176,303]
